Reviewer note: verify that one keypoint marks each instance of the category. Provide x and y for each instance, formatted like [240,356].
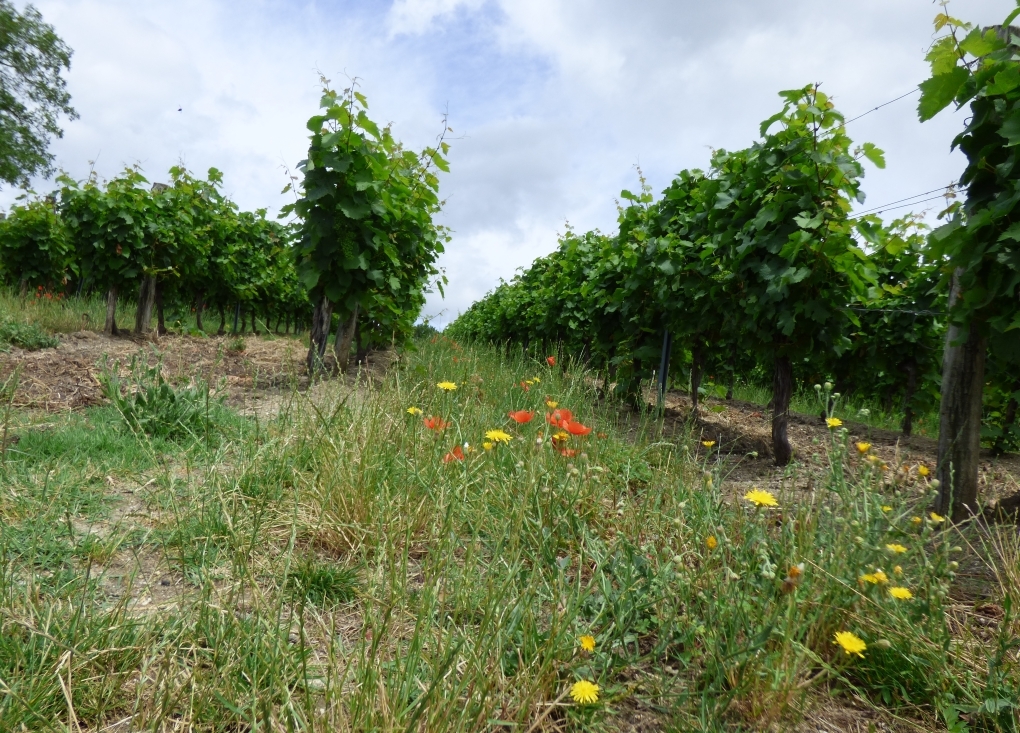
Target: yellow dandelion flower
[899,593]
[536,380]
[761,498]
[886,508]
[833,422]
[413,411]
[447,386]
[898,570]
[560,436]
[551,404]
[708,443]
[498,436]
[711,542]
[916,520]
[874,578]
[863,448]
[487,445]
[923,471]
[584,692]
[851,643]
[937,518]
[587,643]
[896,548]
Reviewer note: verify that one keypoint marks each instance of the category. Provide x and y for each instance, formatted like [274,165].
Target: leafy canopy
[33,94]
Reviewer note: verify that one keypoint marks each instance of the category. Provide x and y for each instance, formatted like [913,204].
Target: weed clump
[28,336]
[150,405]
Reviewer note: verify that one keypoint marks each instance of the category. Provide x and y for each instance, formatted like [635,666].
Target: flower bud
[818,388]
[828,386]
[954,565]
[882,644]
[835,395]
[935,483]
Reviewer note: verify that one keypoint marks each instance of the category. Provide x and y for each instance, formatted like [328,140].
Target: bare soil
[254,378]
[742,432]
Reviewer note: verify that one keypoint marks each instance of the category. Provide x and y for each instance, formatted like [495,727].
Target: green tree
[980,242]
[34,247]
[782,226]
[33,94]
[366,209]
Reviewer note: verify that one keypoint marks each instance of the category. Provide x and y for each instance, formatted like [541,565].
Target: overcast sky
[552,102]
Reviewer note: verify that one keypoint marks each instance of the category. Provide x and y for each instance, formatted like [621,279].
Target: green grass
[335,573]
[88,313]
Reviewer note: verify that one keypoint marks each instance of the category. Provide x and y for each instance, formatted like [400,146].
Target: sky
[554,103]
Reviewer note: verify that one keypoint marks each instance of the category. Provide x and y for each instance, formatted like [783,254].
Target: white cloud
[553,101]
[418,16]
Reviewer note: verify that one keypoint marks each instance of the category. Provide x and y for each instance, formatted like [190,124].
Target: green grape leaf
[939,91]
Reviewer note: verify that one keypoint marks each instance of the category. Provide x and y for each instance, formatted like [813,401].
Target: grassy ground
[337,567]
[72,314]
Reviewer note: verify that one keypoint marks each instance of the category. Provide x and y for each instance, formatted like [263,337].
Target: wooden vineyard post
[667,346]
[963,373]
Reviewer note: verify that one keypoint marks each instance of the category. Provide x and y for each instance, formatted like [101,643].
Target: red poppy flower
[524,386]
[436,423]
[575,428]
[568,452]
[455,455]
[550,360]
[521,416]
[558,417]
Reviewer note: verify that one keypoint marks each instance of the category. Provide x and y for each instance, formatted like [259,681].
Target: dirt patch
[256,379]
[742,433]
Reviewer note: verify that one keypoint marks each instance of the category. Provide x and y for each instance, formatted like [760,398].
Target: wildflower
[601,435]
[413,411]
[487,445]
[583,691]
[535,380]
[435,423]
[558,417]
[900,593]
[761,498]
[447,386]
[923,471]
[916,520]
[851,643]
[550,360]
[708,443]
[551,404]
[524,386]
[568,452]
[587,643]
[937,518]
[498,436]
[833,422]
[455,455]
[521,416]
[793,577]
[874,578]
[896,548]
[886,508]
[711,542]
[576,428]
[863,448]
[897,571]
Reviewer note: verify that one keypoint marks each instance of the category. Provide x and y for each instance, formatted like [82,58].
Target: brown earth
[68,377]
[743,442]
